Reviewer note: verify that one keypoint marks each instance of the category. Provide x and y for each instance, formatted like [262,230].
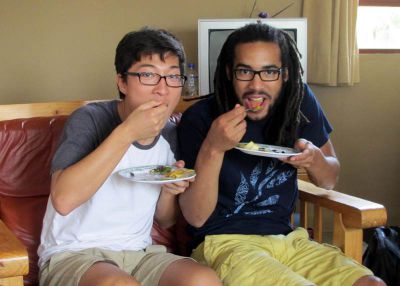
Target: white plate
[268,150]
[147,174]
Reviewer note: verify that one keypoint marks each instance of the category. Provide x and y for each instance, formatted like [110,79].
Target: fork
[255,109]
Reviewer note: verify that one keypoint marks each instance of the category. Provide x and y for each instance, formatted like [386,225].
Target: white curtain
[333,57]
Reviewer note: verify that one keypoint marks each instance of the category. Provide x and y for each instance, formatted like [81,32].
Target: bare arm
[167,205]
[321,164]
[89,174]
[199,201]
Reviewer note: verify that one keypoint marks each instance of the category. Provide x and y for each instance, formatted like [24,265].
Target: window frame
[392,3]
[385,3]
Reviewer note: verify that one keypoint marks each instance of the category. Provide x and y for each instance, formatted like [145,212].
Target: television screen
[212,34]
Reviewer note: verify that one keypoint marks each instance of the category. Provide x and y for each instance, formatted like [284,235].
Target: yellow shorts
[67,268]
[292,259]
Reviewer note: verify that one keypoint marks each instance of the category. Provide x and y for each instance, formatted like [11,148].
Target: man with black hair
[240,205]
[96,230]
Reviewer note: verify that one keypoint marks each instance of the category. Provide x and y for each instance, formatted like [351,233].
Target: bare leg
[105,274]
[186,272]
[369,281]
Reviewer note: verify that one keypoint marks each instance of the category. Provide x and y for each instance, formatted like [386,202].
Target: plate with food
[266,150]
[157,174]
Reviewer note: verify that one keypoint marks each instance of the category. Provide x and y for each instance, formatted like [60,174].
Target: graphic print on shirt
[253,194]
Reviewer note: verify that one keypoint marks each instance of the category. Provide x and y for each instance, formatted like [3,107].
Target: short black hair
[145,42]
[284,118]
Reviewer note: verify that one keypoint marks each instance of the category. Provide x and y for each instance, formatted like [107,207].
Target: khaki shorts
[292,259]
[146,267]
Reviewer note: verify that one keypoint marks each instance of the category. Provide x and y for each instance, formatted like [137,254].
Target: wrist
[125,133]
[165,194]
[209,150]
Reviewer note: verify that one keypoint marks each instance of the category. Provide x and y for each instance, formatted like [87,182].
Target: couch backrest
[26,149]
[27,146]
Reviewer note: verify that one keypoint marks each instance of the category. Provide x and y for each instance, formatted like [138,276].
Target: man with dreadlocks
[239,206]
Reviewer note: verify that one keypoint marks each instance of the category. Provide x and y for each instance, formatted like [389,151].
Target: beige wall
[58,49]
[366,120]
[63,50]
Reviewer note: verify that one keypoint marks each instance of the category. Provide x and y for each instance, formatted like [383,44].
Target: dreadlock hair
[284,117]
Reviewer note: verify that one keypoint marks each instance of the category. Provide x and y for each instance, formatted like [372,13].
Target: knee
[369,281]
[204,276]
[120,281]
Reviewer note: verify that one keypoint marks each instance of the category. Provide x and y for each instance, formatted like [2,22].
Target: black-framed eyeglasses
[269,74]
[151,78]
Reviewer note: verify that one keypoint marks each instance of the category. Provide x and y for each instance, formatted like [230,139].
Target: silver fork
[253,109]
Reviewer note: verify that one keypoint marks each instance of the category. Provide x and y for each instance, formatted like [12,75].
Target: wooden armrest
[13,255]
[356,212]
[351,215]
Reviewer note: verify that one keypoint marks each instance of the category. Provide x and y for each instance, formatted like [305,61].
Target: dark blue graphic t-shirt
[256,194]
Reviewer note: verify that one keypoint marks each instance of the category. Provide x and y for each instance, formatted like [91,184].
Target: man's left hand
[177,187]
[307,156]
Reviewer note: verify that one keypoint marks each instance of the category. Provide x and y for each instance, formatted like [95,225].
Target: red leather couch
[27,147]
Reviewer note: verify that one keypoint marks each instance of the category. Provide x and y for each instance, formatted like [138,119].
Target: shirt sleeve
[316,127]
[169,132]
[77,140]
[192,130]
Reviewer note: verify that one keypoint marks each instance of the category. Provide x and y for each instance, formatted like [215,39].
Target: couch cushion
[27,148]
[24,216]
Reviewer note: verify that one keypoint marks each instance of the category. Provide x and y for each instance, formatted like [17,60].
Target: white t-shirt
[120,214]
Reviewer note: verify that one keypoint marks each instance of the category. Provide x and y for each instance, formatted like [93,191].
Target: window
[378,26]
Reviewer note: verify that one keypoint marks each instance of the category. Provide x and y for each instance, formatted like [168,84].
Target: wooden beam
[28,110]
[12,281]
[350,240]
[13,254]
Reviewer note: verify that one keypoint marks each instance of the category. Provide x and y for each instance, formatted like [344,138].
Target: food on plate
[251,146]
[169,172]
[179,173]
[161,170]
[266,150]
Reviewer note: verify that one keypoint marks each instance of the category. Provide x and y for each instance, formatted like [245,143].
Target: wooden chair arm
[14,261]
[351,216]
[356,212]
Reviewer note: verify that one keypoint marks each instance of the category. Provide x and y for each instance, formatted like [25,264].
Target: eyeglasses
[151,78]
[269,74]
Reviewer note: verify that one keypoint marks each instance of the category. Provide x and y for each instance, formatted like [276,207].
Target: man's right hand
[147,120]
[227,130]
